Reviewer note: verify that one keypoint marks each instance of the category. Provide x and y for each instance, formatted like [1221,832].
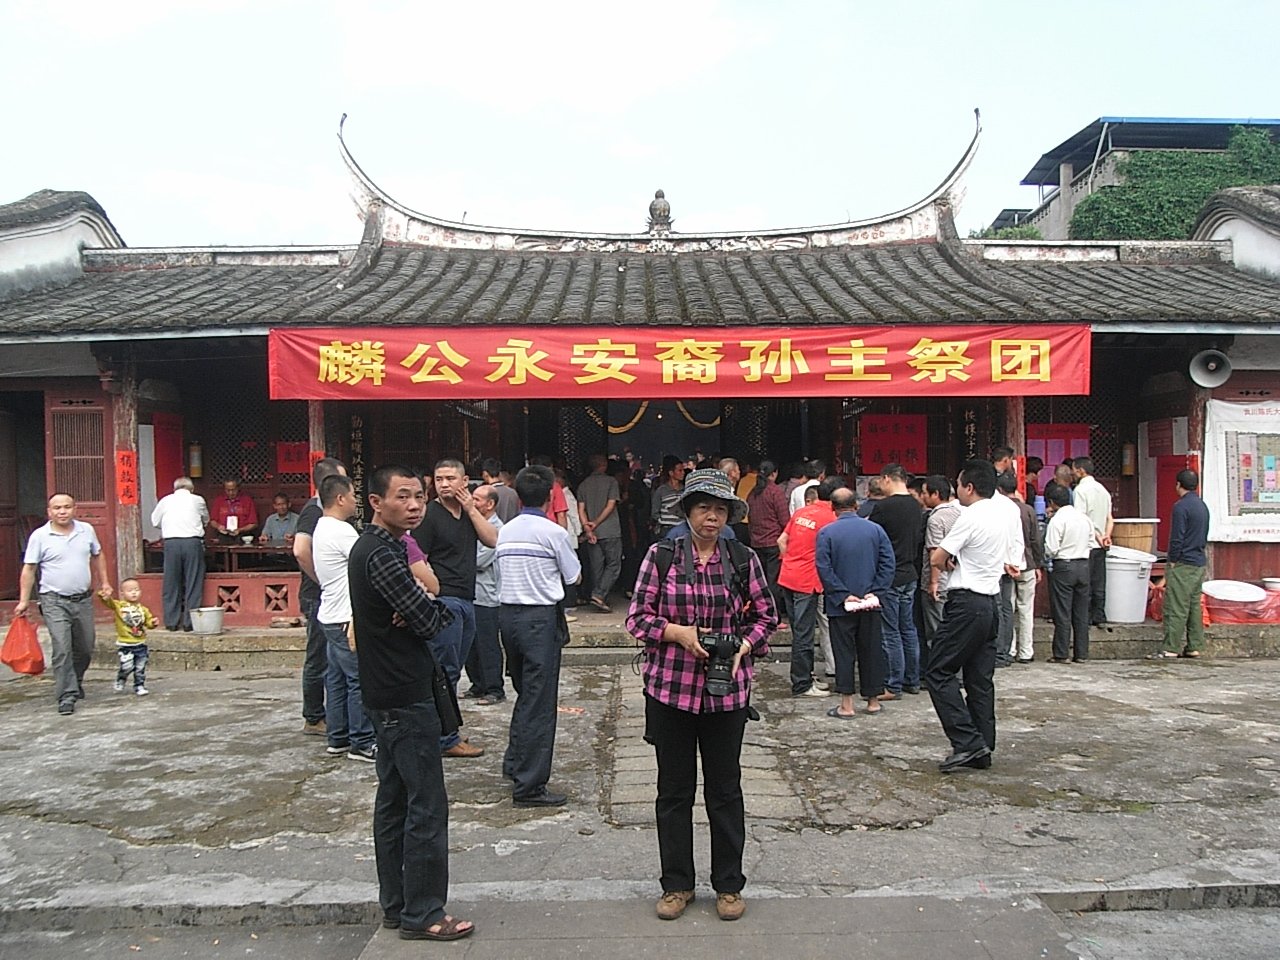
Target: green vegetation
[1021,232]
[1164,190]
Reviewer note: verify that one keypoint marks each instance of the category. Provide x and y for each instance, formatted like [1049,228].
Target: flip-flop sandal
[835,712]
[874,713]
[1162,655]
[1190,655]
[448,930]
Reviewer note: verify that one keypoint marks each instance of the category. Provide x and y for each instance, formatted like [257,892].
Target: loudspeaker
[1209,368]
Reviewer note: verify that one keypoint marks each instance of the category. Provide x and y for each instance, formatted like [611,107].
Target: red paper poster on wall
[127,477]
[293,457]
[896,438]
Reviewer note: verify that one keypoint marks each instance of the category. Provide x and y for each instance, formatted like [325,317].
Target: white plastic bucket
[206,620]
[1128,577]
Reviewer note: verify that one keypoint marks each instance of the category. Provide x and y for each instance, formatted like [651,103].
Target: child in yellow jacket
[133,620]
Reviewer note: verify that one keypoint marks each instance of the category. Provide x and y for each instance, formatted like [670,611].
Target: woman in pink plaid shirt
[708,589]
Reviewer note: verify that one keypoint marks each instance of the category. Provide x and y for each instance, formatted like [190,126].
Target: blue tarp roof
[1151,133]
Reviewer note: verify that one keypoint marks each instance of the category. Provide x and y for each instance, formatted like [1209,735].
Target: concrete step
[602,638]
[871,928]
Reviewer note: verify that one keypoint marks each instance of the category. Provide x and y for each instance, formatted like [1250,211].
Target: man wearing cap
[691,592]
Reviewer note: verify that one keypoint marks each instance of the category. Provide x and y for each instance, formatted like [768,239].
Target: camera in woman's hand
[721,649]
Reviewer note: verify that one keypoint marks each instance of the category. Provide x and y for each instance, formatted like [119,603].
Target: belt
[975,593]
[1071,560]
[69,597]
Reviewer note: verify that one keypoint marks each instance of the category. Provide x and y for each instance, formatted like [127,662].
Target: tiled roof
[1260,204]
[136,293]
[45,205]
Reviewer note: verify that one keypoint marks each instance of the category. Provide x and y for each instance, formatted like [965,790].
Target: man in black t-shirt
[899,513]
[448,536]
[316,663]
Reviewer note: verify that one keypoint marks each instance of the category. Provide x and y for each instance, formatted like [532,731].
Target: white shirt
[797,495]
[1017,542]
[535,559]
[979,541]
[180,514]
[1094,501]
[330,547]
[1069,535]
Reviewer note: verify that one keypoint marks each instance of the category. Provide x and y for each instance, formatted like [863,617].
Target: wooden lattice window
[240,430]
[79,466]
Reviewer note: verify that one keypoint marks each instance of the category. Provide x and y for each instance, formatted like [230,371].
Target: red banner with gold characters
[440,363]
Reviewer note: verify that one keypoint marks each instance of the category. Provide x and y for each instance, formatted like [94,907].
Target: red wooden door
[10,557]
[78,461]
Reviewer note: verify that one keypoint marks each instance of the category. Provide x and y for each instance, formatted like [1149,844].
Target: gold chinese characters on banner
[363,363]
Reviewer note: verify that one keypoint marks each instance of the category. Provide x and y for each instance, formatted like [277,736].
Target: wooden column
[315,425]
[1015,426]
[123,388]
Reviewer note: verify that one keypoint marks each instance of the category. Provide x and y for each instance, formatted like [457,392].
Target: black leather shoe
[911,690]
[965,758]
[544,799]
[1058,660]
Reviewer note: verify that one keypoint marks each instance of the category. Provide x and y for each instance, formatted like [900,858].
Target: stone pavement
[1116,785]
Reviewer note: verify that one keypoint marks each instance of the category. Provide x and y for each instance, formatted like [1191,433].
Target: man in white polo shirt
[64,549]
[181,517]
[535,559]
[976,552]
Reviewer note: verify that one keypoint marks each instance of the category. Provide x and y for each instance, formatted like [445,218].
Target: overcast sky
[194,121]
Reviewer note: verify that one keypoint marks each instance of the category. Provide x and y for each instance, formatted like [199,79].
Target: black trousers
[532,640]
[411,815]
[1098,585]
[855,639]
[484,662]
[679,737]
[965,644]
[183,580]
[1069,600]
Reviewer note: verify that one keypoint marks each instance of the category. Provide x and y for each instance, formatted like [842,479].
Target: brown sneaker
[463,749]
[730,906]
[316,729]
[672,904]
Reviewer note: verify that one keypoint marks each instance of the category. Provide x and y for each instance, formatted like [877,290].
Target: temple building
[888,338]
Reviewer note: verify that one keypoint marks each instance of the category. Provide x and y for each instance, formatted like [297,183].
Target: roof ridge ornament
[659,216]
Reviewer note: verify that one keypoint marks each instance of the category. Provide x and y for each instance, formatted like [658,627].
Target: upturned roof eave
[371,194]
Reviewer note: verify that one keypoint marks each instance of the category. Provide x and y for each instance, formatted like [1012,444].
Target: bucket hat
[713,483]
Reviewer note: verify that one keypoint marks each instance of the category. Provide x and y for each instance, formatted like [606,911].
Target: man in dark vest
[394,618]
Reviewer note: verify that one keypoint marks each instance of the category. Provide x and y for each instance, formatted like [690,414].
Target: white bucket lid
[1236,590]
[1129,554]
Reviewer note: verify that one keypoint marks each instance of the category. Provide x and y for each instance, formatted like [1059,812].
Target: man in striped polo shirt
[535,559]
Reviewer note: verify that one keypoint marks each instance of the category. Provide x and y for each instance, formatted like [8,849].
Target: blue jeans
[133,659]
[344,717]
[411,816]
[451,646]
[899,638]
